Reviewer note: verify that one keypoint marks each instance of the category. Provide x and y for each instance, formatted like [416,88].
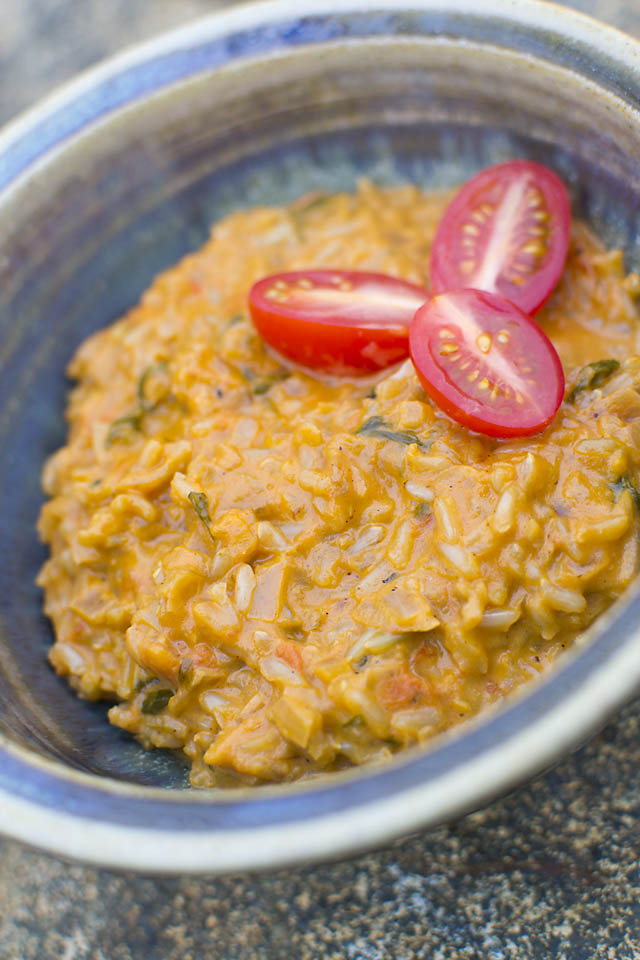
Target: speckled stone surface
[551,872]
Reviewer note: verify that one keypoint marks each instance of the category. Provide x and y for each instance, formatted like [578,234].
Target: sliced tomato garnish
[507,232]
[338,321]
[487,364]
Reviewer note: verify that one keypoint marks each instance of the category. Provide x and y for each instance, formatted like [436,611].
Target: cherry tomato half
[507,232]
[338,321]
[486,363]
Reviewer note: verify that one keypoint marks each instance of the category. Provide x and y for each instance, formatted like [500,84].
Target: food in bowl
[283,572]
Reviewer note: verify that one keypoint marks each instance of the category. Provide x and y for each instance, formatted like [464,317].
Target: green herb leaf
[298,212]
[144,405]
[592,376]
[133,420]
[263,387]
[200,504]
[236,318]
[379,428]
[626,483]
[421,509]
[155,701]
[123,425]
[314,202]
[304,206]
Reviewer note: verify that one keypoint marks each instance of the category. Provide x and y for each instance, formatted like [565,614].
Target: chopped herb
[314,202]
[133,420]
[626,483]
[121,427]
[362,662]
[142,683]
[263,387]
[144,404]
[392,576]
[156,700]
[236,318]
[299,210]
[421,509]
[379,428]
[304,206]
[200,504]
[592,376]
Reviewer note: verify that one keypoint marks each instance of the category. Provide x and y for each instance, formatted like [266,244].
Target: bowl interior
[83,234]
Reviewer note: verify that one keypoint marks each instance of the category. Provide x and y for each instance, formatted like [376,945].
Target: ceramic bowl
[114,178]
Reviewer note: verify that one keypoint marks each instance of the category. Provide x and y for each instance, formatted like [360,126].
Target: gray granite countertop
[551,872]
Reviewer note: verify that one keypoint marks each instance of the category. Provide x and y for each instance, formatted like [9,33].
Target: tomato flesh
[338,321]
[486,364]
[506,232]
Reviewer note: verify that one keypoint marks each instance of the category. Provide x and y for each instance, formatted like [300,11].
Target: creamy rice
[281,575]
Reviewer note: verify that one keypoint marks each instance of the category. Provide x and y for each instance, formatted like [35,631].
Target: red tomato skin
[533,352]
[465,223]
[350,335]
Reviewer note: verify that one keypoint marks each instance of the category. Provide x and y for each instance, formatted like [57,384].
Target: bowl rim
[125,826]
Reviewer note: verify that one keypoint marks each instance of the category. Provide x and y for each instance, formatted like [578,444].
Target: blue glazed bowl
[122,172]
